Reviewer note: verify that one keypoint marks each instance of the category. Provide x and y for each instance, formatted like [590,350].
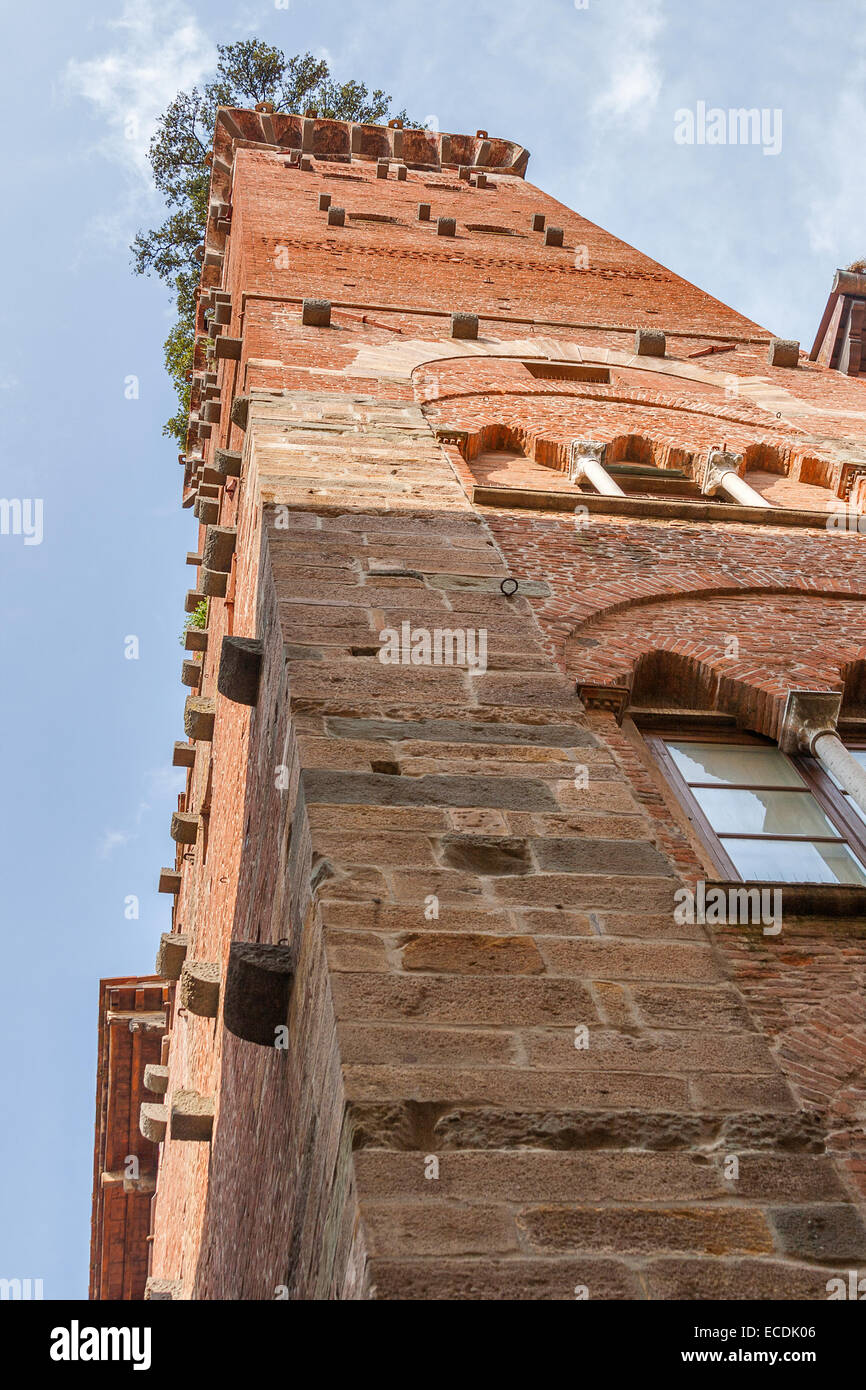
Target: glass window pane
[762,813]
[734,762]
[786,861]
[855,808]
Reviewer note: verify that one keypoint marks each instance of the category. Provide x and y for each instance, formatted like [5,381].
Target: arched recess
[725,652]
[799,470]
[601,601]
[854,686]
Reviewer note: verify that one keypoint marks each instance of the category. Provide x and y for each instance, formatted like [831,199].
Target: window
[568,371]
[765,817]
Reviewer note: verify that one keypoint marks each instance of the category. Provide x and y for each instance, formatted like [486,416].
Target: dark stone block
[198,717]
[612,857]
[553,236]
[240,669]
[423,212]
[360,788]
[169,880]
[486,854]
[828,1233]
[316,313]
[192,1117]
[171,955]
[207,509]
[650,342]
[219,547]
[214,583]
[336,217]
[446,226]
[240,411]
[464,325]
[258,989]
[324,202]
[200,987]
[228,462]
[783,352]
[184,827]
[229,347]
[456,731]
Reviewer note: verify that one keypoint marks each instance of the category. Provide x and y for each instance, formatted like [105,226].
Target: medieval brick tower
[519,895]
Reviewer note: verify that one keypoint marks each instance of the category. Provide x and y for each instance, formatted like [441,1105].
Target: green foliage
[196,619]
[247,72]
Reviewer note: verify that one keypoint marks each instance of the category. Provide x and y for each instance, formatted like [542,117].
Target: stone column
[587,462]
[722,475]
[809,726]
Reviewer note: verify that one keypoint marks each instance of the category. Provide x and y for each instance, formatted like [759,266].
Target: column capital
[584,449]
[719,462]
[807,714]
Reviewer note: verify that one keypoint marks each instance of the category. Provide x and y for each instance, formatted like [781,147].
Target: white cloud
[633,76]
[112,840]
[159,50]
[834,217]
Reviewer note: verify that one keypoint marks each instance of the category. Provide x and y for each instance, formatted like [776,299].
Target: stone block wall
[506,1070]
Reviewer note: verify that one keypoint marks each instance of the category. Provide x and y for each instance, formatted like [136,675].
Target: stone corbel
[809,727]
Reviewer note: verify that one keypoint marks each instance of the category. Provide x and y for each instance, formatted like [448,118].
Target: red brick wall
[414,1036]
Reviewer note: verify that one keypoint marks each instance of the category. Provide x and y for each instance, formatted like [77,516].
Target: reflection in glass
[748,764]
[762,813]
[790,861]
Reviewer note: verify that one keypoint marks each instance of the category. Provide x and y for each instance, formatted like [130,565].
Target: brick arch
[755,699]
[854,685]
[605,600]
[738,649]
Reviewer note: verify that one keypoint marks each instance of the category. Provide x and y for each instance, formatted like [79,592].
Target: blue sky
[87,734]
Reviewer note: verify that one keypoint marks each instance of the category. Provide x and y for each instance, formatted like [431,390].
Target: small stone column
[587,462]
[722,475]
[809,726]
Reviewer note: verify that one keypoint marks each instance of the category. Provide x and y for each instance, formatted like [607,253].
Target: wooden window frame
[850,830]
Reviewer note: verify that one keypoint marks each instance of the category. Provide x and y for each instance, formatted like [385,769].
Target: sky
[596,91]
